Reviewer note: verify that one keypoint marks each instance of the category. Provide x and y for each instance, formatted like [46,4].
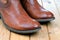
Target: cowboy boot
[16,19]
[36,11]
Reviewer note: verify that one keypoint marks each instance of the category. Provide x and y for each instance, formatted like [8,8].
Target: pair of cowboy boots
[14,14]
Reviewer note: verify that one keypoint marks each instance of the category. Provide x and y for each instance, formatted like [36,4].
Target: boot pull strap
[4,3]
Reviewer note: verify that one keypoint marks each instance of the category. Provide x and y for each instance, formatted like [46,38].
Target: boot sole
[20,31]
[45,20]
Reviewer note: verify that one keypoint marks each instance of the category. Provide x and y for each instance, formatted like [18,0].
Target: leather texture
[16,17]
[35,10]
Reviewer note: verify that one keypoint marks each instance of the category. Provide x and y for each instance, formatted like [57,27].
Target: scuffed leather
[15,17]
[35,10]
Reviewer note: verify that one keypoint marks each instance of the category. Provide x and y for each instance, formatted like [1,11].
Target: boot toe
[46,15]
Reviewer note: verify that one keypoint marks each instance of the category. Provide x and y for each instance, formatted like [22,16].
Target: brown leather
[15,17]
[4,3]
[35,10]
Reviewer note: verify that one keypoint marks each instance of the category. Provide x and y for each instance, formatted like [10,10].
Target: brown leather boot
[16,19]
[36,11]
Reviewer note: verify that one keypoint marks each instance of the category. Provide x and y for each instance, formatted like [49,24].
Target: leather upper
[35,10]
[15,17]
